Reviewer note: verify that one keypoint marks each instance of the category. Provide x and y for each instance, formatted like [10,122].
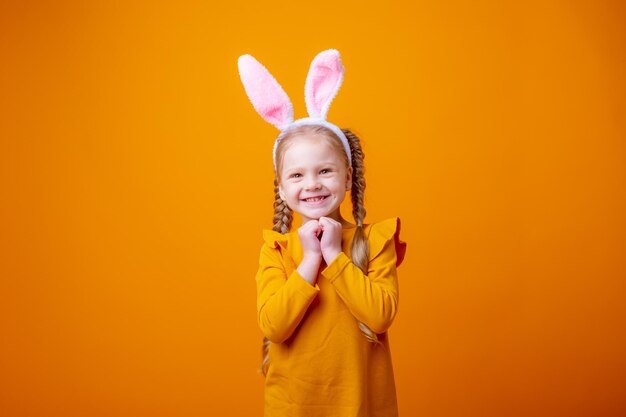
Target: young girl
[324,313]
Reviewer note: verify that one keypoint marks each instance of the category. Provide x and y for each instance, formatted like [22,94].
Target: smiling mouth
[315,199]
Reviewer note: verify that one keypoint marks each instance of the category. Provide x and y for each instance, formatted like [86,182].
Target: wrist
[330,255]
[309,267]
[312,259]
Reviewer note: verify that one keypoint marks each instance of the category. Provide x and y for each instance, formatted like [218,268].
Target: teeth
[311,200]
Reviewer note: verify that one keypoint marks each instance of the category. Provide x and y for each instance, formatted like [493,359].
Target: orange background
[136,179]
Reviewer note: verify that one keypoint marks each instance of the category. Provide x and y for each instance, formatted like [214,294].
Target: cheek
[289,192]
[339,186]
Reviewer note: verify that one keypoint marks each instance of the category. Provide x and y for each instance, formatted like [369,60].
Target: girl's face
[313,178]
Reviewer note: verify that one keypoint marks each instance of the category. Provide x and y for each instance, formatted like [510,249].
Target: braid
[282,224]
[359,251]
[282,212]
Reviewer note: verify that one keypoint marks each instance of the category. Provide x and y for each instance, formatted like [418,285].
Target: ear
[267,96]
[323,82]
[349,179]
[281,193]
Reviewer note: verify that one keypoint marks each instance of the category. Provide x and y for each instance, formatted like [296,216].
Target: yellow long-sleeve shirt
[320,363]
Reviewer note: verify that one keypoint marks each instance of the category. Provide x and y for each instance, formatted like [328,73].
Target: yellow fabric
[320,362]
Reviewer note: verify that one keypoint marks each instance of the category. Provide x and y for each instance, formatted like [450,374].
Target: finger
[330,221]
[311,225]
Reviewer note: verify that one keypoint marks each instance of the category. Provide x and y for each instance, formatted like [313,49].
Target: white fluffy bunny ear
[267,96]
[323,82]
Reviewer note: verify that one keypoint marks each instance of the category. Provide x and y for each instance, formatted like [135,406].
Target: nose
[312,183]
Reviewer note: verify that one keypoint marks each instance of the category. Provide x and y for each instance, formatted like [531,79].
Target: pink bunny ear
[323,82]
[267,96]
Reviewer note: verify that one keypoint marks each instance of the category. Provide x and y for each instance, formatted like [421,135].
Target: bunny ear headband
[272,103]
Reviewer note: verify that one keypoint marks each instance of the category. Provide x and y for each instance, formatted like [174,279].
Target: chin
[317,215]
[313,216]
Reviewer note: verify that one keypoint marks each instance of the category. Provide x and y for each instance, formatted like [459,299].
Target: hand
[312,253]
[330,243]
[308,234]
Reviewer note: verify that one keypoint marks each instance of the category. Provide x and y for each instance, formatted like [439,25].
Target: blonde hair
[359,251]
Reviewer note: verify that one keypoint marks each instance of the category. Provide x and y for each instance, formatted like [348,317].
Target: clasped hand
[328,247]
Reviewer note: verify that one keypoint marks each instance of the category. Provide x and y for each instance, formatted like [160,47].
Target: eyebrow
[321,164]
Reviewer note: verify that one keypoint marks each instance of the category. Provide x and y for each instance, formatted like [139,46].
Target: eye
[295,175]
[325,171]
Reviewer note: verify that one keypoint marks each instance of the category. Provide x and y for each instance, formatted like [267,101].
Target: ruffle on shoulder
[274,238]
[384,231]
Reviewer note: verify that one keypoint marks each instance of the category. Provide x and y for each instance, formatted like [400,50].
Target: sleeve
[372,298]
[281,301]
